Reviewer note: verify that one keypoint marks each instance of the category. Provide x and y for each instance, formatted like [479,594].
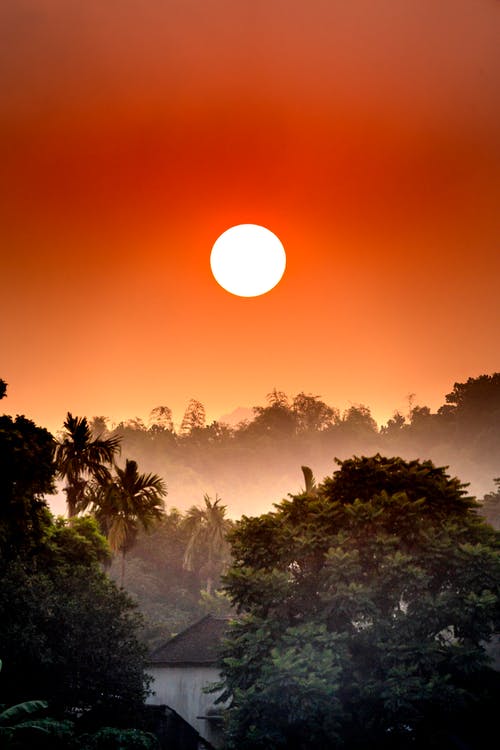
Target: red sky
[133,132]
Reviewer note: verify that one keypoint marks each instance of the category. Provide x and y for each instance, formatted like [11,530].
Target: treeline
[255,463]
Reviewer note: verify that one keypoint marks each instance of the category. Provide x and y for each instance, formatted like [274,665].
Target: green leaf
[19,712]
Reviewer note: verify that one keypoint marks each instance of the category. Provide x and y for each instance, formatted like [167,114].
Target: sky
[134,132]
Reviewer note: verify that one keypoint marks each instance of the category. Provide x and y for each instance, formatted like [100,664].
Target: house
[183,667]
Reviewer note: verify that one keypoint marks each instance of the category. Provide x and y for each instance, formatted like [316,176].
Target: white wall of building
[181,688]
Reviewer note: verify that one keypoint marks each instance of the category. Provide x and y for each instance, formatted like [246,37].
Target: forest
[256,462]
[316,584]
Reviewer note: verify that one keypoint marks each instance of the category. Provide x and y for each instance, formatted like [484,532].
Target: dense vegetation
[256,463]
[366,605]
[252,464]
[374,593]
[173,572]
[68,636]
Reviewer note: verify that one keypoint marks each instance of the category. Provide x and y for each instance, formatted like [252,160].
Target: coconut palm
[80,457]
[124,503]
[207,528]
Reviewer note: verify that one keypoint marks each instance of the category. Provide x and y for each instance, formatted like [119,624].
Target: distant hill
[240,414]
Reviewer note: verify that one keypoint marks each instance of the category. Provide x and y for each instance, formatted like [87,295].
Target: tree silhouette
[80,457]
[481,394]
[312,413]
[276,420]
[207,548]
[124,502]
[26,476]
[194,417]
[161,418]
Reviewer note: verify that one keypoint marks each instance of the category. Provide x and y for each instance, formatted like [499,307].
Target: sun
[248,260]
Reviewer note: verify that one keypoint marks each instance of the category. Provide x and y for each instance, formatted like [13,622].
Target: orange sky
[133,132]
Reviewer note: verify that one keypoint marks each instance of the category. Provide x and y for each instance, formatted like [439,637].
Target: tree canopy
[80,456]
[67,634]
[207,548]
[26,476]
[125,502]
[365,608]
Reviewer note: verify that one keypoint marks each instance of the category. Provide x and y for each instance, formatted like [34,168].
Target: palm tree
[125,502]
[311,486]
[207,528]
[80,457]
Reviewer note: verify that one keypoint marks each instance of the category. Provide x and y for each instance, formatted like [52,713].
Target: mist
[257,462]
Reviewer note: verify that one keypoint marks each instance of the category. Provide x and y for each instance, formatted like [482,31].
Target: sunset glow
[364,135]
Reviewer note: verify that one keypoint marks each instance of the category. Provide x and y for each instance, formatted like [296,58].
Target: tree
[312,413]
[365,608]
[194,417]
[207,547]
[472,410]
[394,425]
[277,398]
[80,457]
[168,595]
[490,506]
[358,419]
[67,634]
[478,397]
[26,476]
[125,502]
[310,482]
[3,388]
[99,425]
[161,418]
[277,420]
[26,726]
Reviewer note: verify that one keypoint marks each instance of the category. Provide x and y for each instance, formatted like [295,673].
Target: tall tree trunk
[71,498]
[74,495]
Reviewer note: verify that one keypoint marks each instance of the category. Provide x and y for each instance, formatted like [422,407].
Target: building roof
[198,644]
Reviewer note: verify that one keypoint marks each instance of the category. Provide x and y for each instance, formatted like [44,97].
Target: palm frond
[309,479]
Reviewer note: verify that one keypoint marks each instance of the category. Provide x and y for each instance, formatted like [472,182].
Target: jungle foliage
[365,606]
[67,634]
[174,572]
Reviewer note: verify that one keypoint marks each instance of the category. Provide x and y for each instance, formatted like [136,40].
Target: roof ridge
[182,632]
[197,642]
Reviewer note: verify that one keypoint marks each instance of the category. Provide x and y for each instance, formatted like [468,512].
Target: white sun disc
[248,260]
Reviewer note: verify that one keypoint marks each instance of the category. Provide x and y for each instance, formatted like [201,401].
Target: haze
[365,135]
